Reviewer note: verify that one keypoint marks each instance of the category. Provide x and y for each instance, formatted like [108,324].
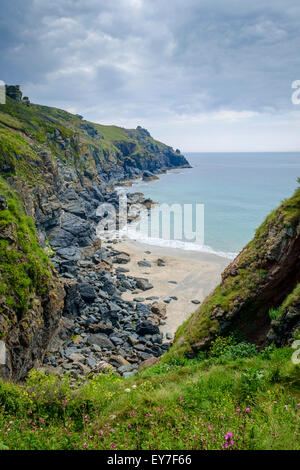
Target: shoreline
[185,275]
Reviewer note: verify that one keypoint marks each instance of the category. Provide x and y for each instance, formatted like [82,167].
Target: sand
[196,274]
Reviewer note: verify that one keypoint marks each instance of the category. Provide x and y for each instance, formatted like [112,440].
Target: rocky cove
[99,330]
[57,169]
[68,301]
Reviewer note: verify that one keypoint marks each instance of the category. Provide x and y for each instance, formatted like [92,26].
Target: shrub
[243,349]
[220,345]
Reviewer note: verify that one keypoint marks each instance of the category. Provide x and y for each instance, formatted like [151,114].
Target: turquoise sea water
[238,190]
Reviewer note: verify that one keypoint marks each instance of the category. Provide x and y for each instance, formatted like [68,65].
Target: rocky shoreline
[99,330]
[57,168]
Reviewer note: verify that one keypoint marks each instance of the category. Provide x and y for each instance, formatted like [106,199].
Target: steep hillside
[55,169]
[259,293]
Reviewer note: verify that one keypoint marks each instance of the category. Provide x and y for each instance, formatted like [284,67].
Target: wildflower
[133,386]
[209,427]
[247,410]
[148,414]
[127,390]
[238,410]
[101,432]
[286,407]
[113,445]
[298,404]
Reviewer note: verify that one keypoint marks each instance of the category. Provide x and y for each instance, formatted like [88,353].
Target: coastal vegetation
[232,397]
[228,381]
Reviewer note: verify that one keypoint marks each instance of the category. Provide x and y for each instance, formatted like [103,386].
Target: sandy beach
[186,275]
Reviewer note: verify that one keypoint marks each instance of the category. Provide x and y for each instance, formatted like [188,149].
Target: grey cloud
[152,58]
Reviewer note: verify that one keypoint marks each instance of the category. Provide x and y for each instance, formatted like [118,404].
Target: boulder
[148,362]
[118,361]
[144,284]
[101,340]
[87,292]
[144,264]
[147,328]
[101,328]
[159,309]
[122,258]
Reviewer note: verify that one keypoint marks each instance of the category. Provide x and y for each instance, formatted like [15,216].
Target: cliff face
[259,294]
[55,169]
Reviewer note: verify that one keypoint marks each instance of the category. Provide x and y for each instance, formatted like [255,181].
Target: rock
[157,339]
[87,292]
[148,362]
[143,284]
[160,262]
[133,340]
[91,362]
[101,328]
[122,258]
[102,366]
[118,361]
[169,336]
[101,340]
[73,302]
[117,341]
[154,319]
[159,309]
[139,299]
[147,328]
[122,270]
[196,302]
[148,176]
[144,264]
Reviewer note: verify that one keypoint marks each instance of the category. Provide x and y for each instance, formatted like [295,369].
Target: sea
[236,191]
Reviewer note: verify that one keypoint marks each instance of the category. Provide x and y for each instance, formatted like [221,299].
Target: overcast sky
[201,75]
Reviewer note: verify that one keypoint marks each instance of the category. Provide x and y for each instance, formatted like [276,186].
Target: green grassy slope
[235,398]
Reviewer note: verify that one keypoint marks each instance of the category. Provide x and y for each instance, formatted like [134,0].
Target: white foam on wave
[138,236]
[133,233]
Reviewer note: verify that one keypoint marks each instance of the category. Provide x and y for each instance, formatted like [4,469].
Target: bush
[220,345]
[240,350]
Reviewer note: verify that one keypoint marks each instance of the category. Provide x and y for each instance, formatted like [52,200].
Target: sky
[200,75]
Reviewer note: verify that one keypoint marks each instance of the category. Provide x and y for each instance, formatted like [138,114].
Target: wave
[133,234]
